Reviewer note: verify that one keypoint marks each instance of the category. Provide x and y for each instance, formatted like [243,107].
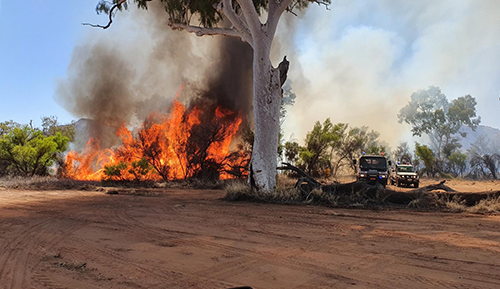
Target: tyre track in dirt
[216,244]
[246,262]
[227,269]
[19,260]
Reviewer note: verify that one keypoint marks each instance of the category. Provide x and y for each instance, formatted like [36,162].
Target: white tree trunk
[267,102]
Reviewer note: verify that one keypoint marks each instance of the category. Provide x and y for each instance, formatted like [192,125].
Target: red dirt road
[191,239]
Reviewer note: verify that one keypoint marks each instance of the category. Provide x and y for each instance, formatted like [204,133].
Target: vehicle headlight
[362,175]
[384,176]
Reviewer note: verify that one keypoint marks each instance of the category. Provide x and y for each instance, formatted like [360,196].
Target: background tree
[426,155]
[429,113]
[51,126]
[483,158]
[352,142]
[402,153]
[29,152]
[7,126]
[206,17]
[315,155]
[457,163]
[292,150]
[486,165]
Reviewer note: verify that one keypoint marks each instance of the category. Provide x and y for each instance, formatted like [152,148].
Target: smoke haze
[357,63]
[361,60]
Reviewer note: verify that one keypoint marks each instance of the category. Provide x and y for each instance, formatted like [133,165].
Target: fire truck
[373,169]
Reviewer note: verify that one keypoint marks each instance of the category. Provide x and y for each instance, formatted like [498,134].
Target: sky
[357,62]
[36,43]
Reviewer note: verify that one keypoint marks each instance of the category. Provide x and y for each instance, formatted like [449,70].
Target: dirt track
[191,239]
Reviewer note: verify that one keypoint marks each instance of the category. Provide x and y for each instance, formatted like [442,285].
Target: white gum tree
[243,19]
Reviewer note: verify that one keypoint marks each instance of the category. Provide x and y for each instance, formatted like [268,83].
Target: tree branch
[251,15]
[275,11]
[240,25]
[202,31]
[110,16]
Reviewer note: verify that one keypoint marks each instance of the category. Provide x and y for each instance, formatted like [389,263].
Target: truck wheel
[416,185]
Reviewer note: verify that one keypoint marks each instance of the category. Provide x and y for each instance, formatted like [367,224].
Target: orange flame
[159,149]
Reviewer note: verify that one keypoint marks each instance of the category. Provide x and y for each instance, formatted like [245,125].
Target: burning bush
[182,144]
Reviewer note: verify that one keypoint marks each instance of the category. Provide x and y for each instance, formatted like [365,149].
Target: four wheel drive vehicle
[373,168]
[404,175]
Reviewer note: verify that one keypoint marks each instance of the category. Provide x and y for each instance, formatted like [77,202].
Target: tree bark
[267,102]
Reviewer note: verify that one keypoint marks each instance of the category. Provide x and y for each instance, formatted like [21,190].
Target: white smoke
[360,61]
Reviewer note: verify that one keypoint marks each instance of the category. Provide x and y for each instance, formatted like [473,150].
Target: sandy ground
[192,239]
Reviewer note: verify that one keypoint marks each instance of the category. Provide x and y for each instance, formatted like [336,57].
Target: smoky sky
[357,62]
[360,61]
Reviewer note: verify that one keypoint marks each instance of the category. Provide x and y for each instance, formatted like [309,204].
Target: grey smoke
[122,74]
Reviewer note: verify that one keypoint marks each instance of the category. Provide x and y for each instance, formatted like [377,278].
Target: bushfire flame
[173,146]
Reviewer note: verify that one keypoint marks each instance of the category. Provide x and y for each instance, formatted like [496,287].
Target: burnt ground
[192,239]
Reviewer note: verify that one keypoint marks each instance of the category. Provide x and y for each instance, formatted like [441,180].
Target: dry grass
[455,205]
[240,191]
[287,194]
[486,206]
[45,183]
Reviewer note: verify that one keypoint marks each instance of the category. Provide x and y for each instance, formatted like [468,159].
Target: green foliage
[7,126]
[457,163]
[429,113]
[28,152]
[315,154]
[462,112]
[204,11]
[140,169]
[115,172]
[376,150]
[292,150]
[425,111]
[426,155]
[351,143]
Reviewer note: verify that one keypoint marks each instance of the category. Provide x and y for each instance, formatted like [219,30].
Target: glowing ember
[175,146]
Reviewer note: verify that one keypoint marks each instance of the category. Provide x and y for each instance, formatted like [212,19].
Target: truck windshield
[405,169]
[368,163]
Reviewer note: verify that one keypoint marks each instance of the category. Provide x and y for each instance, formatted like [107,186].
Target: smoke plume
[122,74]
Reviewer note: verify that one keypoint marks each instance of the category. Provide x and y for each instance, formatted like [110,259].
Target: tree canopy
[203,17]
[429,112]
[29,152]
